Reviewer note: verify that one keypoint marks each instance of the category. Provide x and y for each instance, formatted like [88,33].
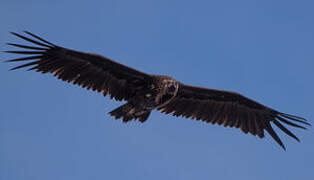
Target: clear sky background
[264,50]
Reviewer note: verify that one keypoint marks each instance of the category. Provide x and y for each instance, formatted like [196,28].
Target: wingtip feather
[284,129]
[31,40]
[39,38]
[274,135]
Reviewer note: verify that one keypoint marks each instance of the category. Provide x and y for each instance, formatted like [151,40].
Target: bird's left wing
[230,110]
[87,70]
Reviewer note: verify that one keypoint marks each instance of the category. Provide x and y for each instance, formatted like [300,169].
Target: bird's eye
[171,87]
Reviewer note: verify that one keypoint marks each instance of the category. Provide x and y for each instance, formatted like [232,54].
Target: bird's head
[171,86]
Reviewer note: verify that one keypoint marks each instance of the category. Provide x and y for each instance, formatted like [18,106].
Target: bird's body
[144,92]
[156,93]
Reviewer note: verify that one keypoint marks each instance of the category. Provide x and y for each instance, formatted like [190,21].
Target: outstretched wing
[230,110]
[87,70]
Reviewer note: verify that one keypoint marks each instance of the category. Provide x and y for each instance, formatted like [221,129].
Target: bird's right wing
[230,110]
[87,70]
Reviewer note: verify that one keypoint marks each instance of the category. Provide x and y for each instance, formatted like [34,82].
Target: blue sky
[262,49]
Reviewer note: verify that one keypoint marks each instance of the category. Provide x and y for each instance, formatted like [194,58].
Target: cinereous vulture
[146,92]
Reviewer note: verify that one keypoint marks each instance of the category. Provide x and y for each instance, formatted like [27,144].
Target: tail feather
[121,111]
[144,116]
[128,112]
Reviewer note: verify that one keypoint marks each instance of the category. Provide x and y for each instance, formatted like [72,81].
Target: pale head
[171,86]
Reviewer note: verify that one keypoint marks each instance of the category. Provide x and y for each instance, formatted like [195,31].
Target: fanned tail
[128,112]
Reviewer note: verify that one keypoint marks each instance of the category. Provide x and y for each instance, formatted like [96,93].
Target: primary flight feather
[145,92]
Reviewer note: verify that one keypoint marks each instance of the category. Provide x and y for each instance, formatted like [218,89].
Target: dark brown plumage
[144,92]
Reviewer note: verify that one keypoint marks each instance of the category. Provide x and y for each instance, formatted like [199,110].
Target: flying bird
[146,92]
